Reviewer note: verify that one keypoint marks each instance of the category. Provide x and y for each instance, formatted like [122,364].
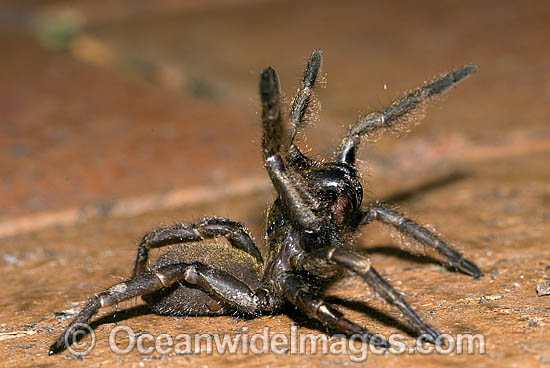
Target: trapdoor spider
[309,231]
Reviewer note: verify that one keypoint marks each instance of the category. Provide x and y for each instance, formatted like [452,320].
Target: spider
[310,229]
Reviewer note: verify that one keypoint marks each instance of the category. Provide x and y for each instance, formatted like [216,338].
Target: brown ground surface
[148,116]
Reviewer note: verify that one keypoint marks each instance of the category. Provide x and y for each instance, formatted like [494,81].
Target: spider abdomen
[183,299]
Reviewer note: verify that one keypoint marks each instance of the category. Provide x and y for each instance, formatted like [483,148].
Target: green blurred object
[57,31]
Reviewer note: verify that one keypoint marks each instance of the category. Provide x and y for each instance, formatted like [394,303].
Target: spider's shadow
[427,186]
[116,317]
[394,251]
[299,318]
[304,321]
[406,195]
[122,315]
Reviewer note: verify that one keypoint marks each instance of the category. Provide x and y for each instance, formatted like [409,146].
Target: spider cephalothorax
[309,231]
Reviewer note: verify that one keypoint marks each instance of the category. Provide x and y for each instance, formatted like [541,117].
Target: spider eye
[327,195]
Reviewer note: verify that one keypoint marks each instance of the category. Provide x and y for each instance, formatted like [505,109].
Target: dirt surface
[148,116]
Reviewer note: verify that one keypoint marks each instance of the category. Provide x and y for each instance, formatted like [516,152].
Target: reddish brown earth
[149,116]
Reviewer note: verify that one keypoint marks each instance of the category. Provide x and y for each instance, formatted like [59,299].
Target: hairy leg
[362,267]
[207,228]
[423,235]
[290,187]
[218,284]
[299,294]
[398,111]
[300,105]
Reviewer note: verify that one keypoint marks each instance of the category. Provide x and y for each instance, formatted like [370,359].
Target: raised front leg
[402,110]
[299,109]
[290,186]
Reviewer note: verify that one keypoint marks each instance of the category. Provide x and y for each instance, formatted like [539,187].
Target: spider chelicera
[309,235]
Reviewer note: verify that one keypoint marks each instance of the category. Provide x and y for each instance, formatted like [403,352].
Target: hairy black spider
[309,231]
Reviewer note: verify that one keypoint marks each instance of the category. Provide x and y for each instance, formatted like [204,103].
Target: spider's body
[309,236]
[339,195]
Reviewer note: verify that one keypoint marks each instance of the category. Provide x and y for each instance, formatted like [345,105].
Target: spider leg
[299,107]
[299,294]
[398,111]
[290,186]
[273,141]
[303,97]
[362,267]
[211,227]
[423,235]
[220,285]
